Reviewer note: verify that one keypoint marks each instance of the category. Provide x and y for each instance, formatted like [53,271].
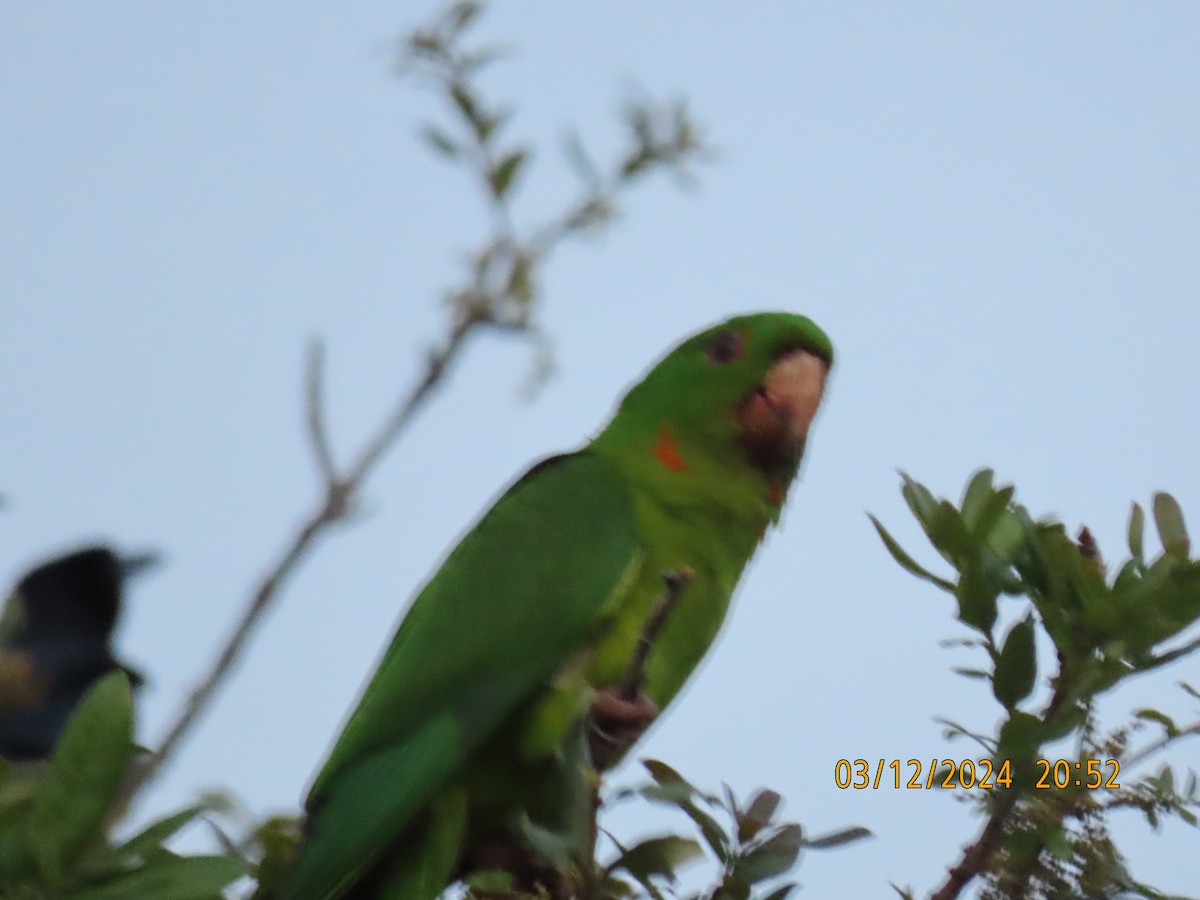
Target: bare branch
[330,510]
[437,364]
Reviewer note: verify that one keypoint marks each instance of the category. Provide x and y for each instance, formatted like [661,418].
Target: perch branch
[676,580]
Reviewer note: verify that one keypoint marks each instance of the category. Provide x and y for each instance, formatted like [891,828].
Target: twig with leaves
[751,847]
[1104,630]
[499,292]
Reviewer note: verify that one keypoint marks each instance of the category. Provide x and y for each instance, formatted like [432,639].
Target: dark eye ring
[726,347]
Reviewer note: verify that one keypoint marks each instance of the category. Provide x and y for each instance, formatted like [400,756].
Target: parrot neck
[700,483]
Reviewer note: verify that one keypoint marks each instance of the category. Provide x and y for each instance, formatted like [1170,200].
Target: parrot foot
[616,722]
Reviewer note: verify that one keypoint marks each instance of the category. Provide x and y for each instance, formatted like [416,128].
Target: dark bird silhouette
[55,640]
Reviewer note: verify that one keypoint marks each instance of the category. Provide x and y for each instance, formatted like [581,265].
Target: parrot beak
[776,416]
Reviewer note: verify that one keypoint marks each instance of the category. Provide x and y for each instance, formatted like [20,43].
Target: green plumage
[466,722]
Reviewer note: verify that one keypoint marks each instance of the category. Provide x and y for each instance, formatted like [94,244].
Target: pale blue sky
[992,208]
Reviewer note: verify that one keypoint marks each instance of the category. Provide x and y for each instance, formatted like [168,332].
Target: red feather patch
[667,451]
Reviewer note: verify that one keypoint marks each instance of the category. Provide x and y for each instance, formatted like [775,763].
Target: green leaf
[839,838]
[278,836]
[492,881]
[1020,737]
[556,847]
[178,878]
[660,856]
[1006,534]
[950,536]
[907,562]
[782,892]
[1067,721]
[1127,579]
[1057,841]
[461,15]
[1153,715]
[919,500]
[612,886]
[976,595]
[712,833]
[664,774]
[733,888]
[731,802]
[83,776]
[1168,518]
[675,794]
[996,525]
[979,490]
[774,856]
[1137,528]
[758,814]
[1164,782]
[506,170]
[441,142]
[465,102]
[145,847]
[151,838]
[1016,668]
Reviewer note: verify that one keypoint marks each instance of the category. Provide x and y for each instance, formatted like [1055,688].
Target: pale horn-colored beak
[776,417]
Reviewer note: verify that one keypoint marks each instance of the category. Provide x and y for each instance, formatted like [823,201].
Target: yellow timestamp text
[916,774]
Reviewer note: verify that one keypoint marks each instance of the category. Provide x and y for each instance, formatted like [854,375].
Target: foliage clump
[1047,834]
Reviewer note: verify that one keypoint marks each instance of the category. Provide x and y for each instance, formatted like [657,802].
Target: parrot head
[734,401]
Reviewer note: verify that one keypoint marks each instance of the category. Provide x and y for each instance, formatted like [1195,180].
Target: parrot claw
[616,723]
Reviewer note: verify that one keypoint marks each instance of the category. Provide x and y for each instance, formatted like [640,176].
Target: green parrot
[529,627]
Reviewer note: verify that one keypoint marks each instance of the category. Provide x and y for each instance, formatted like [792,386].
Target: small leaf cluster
[1166,791]
[751,847]
[53,817]
[748,848]
[1103,630]
[501,286]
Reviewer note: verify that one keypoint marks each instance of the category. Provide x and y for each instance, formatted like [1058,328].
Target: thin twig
[314,396]
[436,366]
[1160,745]
[676,580]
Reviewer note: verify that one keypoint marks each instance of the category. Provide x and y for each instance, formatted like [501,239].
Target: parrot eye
[726,347]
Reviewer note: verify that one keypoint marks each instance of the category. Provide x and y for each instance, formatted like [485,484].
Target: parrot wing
[523,593]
